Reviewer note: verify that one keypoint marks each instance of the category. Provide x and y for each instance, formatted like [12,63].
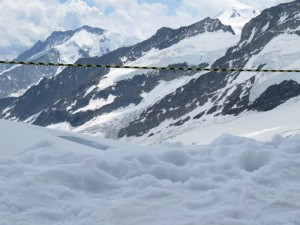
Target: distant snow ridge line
[151,68]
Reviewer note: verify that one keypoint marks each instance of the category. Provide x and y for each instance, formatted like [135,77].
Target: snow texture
[54,177]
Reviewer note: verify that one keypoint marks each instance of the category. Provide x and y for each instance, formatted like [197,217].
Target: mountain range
[150,106]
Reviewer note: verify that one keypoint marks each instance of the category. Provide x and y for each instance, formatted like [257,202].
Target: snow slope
[262,126]
[203,48]
[53,177]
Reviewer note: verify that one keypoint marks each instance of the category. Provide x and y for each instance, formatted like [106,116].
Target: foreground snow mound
[231,181]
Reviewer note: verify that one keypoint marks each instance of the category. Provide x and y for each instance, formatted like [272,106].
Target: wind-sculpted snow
[233,180]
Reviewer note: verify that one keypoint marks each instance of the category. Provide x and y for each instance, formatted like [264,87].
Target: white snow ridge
[54,177]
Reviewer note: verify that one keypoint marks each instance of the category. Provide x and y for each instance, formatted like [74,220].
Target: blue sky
[25,22]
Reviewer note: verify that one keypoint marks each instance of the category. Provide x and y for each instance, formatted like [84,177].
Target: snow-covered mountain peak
[237,16]
[71,45]
[58,38]
[211,25]
[59,47]
[91,42]
[84,42]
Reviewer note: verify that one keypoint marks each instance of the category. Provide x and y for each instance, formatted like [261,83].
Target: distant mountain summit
[71,45]
[238,16]
[59,47]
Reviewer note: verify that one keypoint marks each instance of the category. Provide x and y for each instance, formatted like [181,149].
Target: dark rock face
[49,91]
[276,95]
[5,103]
[184,100]
[238,101]
[126,92]
[181,122]
[198,116]
[22,77]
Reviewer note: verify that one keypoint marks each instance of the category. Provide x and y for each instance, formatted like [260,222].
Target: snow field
[233,180]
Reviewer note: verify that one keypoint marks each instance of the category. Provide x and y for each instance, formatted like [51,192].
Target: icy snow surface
[59,178]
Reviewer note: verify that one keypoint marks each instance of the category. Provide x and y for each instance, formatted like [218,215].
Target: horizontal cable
[151,67]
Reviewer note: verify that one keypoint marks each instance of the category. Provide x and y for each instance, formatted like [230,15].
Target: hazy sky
[24,22]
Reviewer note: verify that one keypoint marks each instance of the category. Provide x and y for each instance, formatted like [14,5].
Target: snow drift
[54,177]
